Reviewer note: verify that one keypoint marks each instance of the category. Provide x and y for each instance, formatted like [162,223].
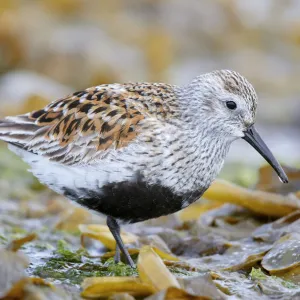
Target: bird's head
[227,102]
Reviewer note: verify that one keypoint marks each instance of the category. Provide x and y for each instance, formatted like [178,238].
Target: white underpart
[77,178]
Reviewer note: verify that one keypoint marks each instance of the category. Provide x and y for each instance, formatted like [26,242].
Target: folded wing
[77,128]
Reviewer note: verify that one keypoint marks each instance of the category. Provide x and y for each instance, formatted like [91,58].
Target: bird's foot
[129,260]
[115,230]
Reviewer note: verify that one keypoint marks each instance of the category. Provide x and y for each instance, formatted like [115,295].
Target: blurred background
[53,47]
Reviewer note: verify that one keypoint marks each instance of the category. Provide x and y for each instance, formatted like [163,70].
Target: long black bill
[254,139]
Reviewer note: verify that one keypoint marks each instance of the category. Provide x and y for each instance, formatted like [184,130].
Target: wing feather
[76,128]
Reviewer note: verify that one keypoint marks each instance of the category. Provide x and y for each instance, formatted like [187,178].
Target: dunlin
[138,151]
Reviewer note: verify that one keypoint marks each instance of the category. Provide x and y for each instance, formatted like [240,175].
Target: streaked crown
[238,85]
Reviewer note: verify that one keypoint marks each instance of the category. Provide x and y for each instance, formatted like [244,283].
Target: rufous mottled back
[138,151]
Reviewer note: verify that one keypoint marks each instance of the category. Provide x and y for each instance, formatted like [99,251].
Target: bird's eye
[231,105]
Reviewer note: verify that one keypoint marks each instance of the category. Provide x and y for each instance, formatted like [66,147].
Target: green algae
[259,275]
[178,272]
[65,254]
[68,266]
[119,269]
[75,273]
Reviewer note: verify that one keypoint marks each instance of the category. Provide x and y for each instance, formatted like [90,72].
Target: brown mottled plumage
[113,113]
[101,118]
[138,151]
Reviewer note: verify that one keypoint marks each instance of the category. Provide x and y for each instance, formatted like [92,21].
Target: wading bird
[138,151]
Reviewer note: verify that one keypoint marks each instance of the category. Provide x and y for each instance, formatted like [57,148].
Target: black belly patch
[132,201]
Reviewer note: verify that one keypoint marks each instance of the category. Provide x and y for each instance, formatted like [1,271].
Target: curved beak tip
[254,139]
[284,178]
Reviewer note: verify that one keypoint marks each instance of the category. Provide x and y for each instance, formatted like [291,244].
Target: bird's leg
[117,255]
[115,230]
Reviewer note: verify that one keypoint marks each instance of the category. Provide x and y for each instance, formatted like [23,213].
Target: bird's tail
[17,130]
